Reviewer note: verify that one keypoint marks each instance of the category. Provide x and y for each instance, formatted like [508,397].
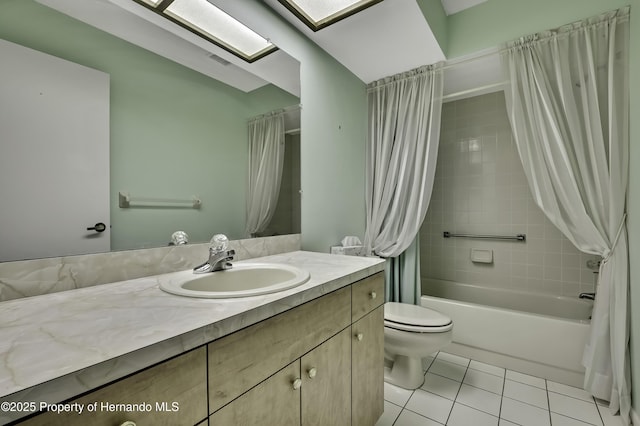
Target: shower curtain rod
[475,89]
[277,111]
[470,58]
[495,51]
[292,107]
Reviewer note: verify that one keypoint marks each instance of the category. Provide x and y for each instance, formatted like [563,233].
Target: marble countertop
[55,346]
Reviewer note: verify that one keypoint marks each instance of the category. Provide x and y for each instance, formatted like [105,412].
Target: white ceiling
[393,36]
[127,20]
[473,75]
[385,39]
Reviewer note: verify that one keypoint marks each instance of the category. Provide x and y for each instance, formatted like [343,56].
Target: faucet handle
[218,243]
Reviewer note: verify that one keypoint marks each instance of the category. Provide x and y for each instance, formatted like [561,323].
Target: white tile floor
[462,392]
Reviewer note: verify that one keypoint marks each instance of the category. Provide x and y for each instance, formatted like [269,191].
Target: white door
[54,156]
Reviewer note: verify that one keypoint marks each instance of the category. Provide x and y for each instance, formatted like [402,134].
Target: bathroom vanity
[308,355]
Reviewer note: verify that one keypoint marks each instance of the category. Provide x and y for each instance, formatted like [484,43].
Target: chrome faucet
[219,257]
[590,296]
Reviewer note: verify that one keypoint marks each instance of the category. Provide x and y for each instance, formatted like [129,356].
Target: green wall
[174,132]
[633,220]
[333,123]
[497,21]
[333,153]
[438,21]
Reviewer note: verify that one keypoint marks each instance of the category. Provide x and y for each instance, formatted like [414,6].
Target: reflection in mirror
[174,133]
[272,155]
[286,219]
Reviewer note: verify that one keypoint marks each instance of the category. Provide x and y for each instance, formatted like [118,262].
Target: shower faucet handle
[589,296]
[593,264]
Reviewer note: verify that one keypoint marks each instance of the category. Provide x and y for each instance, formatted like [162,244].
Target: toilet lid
[413,315]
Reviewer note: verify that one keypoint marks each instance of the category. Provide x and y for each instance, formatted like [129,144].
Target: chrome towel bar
[519,237]
[125,201]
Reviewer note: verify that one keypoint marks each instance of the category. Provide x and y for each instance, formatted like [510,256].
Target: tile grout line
[548,401]
[598,409]
[400,412]
[421,415]
[454,400]
[478,409]
[529,384]
[502,395]
[486,372]
[504,384]
[573,397]
[458,393]
[549,410]
[402,408]
[577,399]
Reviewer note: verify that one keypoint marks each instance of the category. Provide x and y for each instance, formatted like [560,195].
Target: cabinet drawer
[367,295]
[243,359]
[181,380]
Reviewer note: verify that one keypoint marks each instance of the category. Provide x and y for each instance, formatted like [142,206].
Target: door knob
[98,227]
[297,383]
[359,336]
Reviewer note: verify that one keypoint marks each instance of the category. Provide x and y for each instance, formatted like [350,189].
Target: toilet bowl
[411,333]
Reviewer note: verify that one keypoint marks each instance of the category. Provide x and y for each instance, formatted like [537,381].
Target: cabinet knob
[312,372]
[359,336]
[373,295]
[297,383]
[128,423]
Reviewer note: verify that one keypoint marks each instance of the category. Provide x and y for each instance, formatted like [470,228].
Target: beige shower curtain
[266,159]
[569,109]
[402,150]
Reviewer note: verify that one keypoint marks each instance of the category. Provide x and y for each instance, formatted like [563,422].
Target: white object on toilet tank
[481,256]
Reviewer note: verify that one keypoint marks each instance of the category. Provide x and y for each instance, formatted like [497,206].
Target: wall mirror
[177,129]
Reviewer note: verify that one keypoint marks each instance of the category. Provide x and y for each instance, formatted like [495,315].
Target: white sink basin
[244,279]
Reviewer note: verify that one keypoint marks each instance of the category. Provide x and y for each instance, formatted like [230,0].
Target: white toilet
[411,333]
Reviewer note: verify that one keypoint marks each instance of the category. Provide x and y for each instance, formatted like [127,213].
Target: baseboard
[635,418]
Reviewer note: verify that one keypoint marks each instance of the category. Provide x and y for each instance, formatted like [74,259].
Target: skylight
[209,22]
[317,14]
[153,3]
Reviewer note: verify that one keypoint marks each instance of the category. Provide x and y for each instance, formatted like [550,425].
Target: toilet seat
[415,319]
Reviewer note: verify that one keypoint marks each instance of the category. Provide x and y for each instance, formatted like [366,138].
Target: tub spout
[590,296]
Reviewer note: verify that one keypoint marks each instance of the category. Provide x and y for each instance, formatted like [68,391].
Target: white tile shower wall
[480,188]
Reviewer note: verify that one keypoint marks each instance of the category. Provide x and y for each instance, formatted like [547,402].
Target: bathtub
[537,334]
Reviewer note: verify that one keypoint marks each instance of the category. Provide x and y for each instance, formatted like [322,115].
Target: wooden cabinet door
[241,360]
[326,383]
[275,401]
[367,368]
[181,381]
